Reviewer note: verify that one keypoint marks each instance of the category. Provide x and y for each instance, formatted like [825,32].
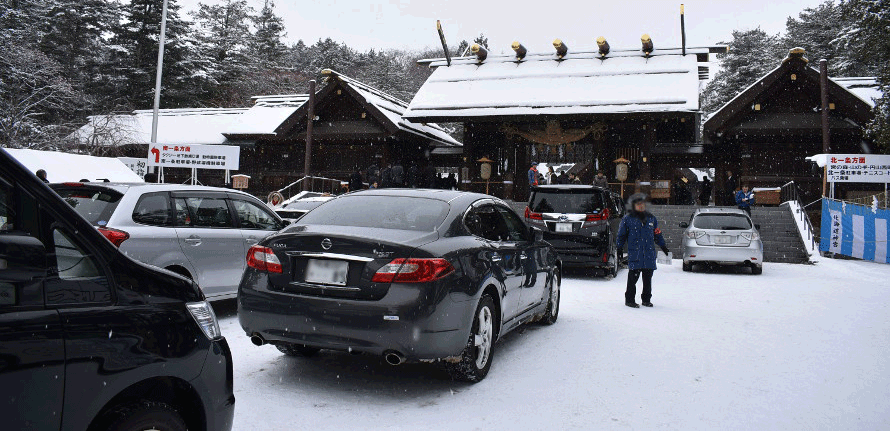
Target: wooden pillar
[646,146]
[467,159]
[520,177]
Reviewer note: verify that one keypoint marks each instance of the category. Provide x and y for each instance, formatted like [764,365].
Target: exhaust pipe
[394,358]
[257,340]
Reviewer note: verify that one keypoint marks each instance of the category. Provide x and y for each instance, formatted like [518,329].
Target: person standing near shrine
[600,180]
[729,188]
[744,199]
[533,174]
[639,230]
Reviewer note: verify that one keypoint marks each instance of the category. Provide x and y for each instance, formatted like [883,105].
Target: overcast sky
[411,24]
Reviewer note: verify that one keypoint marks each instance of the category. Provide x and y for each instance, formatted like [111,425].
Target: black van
[91,339]
[580,221]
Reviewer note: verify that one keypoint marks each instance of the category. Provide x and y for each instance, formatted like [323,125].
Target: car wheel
[756,270]
[552,312]
[475,361]
[146,415]
[687,266]
[297,350]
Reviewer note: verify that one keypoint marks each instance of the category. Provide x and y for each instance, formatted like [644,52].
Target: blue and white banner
[855,230]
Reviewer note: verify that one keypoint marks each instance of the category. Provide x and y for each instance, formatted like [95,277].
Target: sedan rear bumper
[420,322]
[750,255]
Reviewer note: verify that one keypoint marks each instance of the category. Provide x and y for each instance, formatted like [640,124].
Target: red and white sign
[194,156]
[858,168]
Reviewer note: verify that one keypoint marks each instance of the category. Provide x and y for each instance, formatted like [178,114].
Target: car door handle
[193,240]
[251,240]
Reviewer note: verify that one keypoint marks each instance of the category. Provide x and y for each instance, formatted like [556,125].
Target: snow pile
[67,167]
[175,126]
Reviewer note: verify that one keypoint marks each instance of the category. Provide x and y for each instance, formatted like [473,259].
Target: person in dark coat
[704,196]
[744,199]
[386,177]
[412,175]
[430,177]
[639,230]
[398,175]
[355,181]
[373,174]
[42,175]
[600,180]
[729,188]
[452,181]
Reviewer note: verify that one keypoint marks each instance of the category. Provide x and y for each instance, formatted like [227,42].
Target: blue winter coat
[740,196]
[640,237]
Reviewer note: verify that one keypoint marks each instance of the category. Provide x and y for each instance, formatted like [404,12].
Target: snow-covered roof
[266,114]
[394,109]
[175,126]
[580,83]
[864,87]
[67,167]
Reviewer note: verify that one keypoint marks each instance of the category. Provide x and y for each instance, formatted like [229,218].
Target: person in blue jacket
[639,230]
[744,199]
[533,174]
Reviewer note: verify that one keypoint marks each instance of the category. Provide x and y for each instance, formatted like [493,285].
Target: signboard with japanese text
[137,165]
[194,156]
[855,230]
[858,168]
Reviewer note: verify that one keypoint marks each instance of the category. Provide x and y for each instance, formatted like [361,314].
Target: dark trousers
[746,209]
[632,276]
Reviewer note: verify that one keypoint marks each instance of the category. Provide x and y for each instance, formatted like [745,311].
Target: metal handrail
[335,185]
[790,192]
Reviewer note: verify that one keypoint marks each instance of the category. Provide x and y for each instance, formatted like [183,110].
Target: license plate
[323,271]
[722,239]
[563,227]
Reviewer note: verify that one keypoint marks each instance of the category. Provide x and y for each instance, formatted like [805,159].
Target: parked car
[292,211]
[202,233]
[580,221]
[91,339]
[722,236]
[428,275]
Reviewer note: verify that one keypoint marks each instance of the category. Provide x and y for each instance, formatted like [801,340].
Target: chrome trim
[324,286]
[330,256]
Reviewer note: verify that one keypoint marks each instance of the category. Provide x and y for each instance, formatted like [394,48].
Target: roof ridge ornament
[648,47]
[603,46]
[520,50]
[796,53]
[561,48]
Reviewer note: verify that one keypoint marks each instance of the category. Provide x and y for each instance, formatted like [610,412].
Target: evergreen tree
[135,58]
[481,40]
[817,30]
[223,34]
[752,53]
[866,33]
[269,31]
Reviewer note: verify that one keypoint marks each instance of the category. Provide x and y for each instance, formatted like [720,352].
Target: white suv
[202,233]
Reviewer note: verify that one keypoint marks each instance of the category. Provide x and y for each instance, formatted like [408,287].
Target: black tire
[297,350]
[468,369]
[756,270]
[687,266]
[613,271]
[145,415]
[552,312]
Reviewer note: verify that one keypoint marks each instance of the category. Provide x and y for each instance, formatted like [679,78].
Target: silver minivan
[722,236]
[202,233]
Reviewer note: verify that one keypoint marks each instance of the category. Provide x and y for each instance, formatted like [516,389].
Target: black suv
[91,339]
[580,221]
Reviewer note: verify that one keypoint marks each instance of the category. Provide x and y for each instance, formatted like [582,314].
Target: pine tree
[269,31]
[817,30]
[752,53]
[481,40]
[135,58]
[223,35]
[866,33]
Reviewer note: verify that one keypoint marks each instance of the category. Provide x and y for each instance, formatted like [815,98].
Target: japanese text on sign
[858,168]
[194,156]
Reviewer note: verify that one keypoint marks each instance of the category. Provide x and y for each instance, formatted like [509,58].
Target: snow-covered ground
[799,347]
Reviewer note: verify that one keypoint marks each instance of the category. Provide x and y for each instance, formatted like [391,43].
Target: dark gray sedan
[409,275]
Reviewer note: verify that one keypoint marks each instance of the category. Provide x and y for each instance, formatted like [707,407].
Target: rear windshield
[581,201]
[94,205]
[387,212]
[722,222]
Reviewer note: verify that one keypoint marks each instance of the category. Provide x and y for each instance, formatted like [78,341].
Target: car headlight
[206,318]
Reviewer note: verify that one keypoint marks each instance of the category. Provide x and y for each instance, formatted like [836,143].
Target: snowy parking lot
[799,347]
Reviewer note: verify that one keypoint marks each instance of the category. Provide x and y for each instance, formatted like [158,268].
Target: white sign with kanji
[858,168]
[194,156]
[135,164]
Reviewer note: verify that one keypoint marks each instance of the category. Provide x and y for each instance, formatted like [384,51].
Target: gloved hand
[665,250]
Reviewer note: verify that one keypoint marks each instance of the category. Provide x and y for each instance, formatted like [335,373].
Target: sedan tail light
[413,271]
[263,259]
[117,237]
[533,215]
[602,215]
[203,314]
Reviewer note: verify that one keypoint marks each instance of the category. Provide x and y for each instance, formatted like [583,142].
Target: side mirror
[22,258]
[757,226]
[684,225]
[285,223]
